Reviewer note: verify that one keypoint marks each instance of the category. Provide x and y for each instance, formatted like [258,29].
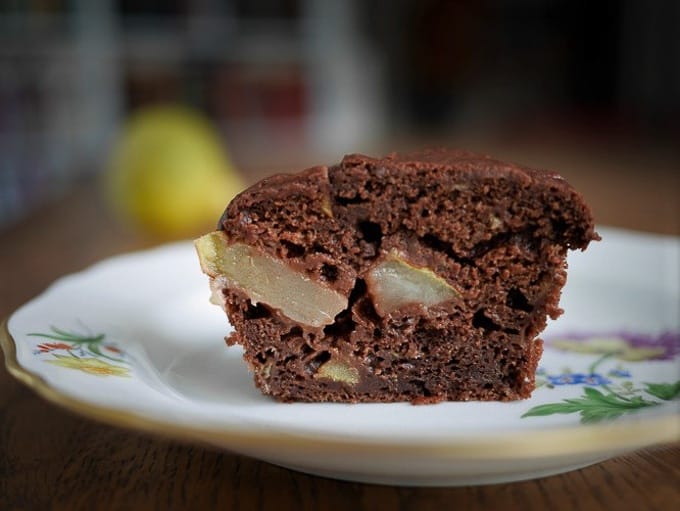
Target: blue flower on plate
[619,373]
[578,379]
[595,379]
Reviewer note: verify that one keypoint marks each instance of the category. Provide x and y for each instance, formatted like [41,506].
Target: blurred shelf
[71,71]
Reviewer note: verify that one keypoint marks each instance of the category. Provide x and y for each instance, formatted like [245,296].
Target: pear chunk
[268,280]
[394,283]
[339,371]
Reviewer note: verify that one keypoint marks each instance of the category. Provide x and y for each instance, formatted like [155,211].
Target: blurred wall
[293,81]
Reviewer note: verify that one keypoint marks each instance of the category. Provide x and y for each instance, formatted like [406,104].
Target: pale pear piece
[268,280]
[339,371]
[394,283]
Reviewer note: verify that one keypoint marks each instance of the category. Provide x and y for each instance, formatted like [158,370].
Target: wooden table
[52,459]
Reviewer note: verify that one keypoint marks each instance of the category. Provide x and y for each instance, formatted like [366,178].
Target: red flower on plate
[52,346]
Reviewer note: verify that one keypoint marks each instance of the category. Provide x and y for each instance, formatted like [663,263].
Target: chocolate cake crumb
[414,277]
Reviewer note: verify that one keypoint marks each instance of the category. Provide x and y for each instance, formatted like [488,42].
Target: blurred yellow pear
[170,174]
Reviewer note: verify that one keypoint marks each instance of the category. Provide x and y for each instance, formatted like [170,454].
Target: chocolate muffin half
[420,277]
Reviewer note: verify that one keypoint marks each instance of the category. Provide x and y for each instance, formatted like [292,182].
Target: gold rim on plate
[602,439]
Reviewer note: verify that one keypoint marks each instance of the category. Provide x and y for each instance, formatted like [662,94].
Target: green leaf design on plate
[593,406]
[665,391]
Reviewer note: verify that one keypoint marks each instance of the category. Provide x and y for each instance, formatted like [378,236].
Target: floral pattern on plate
[618,395]
[89,353]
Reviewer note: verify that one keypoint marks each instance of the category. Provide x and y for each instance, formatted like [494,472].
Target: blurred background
[589,89]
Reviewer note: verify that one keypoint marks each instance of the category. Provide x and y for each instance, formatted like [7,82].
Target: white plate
[160,365]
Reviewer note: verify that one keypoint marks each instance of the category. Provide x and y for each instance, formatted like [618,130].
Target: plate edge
[554,442]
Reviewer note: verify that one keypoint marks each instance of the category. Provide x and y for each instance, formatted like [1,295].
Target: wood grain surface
[52,459]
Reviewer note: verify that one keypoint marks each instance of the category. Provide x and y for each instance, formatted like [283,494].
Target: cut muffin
[420,277]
